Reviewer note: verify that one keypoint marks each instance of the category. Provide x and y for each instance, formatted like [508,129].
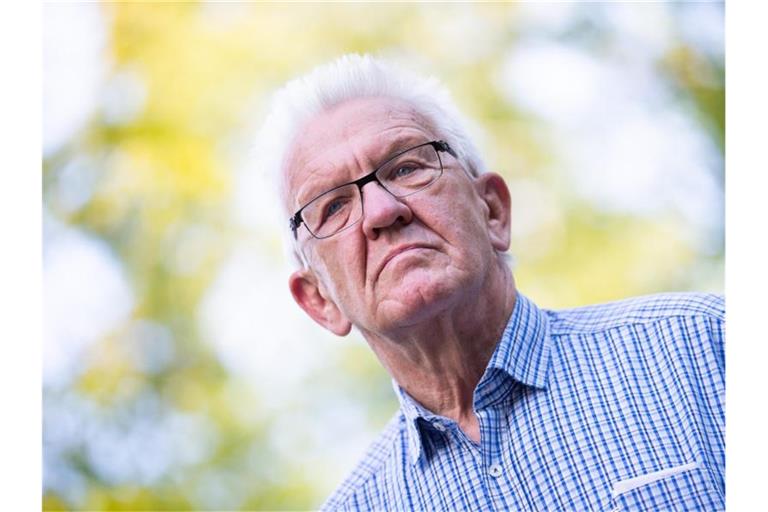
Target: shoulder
[361,483]
[638,310]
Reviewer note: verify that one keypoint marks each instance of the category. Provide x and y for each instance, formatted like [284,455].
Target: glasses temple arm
[441,145]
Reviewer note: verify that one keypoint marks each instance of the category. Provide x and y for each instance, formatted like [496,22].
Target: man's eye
[404,171]
[333,207]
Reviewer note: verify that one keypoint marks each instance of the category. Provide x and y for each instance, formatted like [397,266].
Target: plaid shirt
[610,407]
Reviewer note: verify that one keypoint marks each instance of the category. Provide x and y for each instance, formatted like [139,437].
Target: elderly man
[399,231]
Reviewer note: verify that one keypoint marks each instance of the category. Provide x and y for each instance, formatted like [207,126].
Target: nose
[382,210]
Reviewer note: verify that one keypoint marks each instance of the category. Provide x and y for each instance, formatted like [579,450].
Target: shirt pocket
[687,487]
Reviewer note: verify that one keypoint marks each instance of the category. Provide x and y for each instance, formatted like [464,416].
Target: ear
[494,192]
[314,301]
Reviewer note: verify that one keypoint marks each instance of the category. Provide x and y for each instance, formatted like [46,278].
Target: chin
[415,301]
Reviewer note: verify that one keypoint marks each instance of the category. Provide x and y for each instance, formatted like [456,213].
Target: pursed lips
[397,251]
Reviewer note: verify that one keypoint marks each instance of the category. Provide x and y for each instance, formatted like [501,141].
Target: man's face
[408,258]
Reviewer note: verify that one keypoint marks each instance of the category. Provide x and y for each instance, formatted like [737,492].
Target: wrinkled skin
[422,277]
[454,242]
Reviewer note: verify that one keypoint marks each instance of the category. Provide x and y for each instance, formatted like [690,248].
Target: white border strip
[623,486]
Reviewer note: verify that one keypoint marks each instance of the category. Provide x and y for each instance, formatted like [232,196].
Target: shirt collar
[523,353]
[413,412]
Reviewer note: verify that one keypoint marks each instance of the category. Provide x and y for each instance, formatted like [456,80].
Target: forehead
[348,139]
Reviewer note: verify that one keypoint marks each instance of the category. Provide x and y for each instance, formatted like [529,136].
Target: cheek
[343,267]
[457,219]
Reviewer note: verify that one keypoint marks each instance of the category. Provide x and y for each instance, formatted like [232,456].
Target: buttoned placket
[500,477]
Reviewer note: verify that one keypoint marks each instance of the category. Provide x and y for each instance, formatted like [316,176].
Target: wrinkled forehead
[363,130]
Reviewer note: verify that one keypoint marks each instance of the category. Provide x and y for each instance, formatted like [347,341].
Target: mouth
[396,252]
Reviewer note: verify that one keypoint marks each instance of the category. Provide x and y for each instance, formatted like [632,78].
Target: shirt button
[439,426]
[495,470]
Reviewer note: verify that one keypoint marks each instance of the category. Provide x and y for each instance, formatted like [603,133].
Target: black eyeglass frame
[438,145]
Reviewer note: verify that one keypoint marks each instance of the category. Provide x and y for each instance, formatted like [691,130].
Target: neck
[440,361]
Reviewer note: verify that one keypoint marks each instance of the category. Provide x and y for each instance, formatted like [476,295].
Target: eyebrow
[398,145]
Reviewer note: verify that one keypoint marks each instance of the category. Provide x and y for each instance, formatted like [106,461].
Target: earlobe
[309,295]
[495,193]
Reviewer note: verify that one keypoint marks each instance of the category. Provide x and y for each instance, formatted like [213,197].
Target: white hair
[350,77]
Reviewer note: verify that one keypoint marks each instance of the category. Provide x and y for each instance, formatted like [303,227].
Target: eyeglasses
[406,173]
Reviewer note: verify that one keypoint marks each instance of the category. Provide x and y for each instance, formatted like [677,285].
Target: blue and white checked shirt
[611,407]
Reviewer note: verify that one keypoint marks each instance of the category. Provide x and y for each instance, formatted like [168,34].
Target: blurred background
[178,373]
